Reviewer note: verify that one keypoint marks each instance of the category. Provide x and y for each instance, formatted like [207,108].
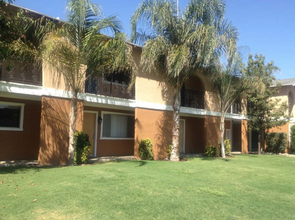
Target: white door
[182,136]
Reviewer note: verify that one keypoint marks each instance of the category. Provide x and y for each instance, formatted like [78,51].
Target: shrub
[293,139]
[82,147]
[276,142]
[227,147]
[146,149]
[169,151]
[212,151]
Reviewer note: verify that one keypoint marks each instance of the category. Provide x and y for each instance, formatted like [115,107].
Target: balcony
[104,86]
[21,74]
[236,108]
[192,99]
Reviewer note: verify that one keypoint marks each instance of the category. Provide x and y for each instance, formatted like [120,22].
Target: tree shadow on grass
[135,162]
[216,158]
[24,169]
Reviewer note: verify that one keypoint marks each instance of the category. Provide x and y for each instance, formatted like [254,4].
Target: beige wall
[55,80]
[52,79]
[283,95]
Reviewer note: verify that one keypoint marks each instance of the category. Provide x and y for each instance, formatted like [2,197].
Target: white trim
[96,122]
[183,134]
[100,100]
[228,131]
[231,134]
[21,123]
[101,126]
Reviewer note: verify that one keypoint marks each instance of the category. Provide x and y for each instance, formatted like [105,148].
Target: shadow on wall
[54,132]
[54,79]
[212,131]
[167,93]
[164,135]
[137,130]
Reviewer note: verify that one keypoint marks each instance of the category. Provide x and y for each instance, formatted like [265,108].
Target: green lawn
[243,187]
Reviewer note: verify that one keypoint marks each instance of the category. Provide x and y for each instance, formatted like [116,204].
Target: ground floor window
[117,126]
[11,116]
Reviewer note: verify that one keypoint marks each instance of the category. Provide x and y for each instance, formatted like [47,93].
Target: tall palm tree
[232,84]
[178,44]
[79,46]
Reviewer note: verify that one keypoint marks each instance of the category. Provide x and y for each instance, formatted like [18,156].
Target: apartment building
[35,104]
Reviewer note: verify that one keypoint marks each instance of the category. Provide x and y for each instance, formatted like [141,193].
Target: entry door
[254,141]
[181,136]
[236,145]
[90,128]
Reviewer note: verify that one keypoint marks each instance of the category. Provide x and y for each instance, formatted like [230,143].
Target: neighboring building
[34,109]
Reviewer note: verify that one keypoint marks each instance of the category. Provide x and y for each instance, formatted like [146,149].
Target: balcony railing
[21,74]
[97,85]
[236,108]
[192,99]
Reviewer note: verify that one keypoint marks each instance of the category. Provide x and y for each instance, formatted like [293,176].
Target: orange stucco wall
[212,130]
[22,145]
[156,125]
[54,130]
[244,136]
[285,129]
[112,147]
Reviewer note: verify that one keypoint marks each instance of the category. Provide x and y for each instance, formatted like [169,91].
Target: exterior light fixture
[99,120]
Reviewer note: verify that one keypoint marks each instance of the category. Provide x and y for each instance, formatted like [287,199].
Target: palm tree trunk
[222,134]
[259,145]
[175,127]
[72,126]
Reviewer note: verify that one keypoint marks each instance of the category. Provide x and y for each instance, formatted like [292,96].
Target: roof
[284,82]
[54,19]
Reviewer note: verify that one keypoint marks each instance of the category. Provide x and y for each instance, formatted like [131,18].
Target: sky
[265,26]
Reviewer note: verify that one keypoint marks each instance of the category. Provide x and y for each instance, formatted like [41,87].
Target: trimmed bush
[212,151]
[82,147]
[276,142]
[293,139]
[169,151]
[227,147]
[146,149]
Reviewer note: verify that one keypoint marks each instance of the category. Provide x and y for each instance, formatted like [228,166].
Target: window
[117,126]
[11,116]
[121,78]
[227,134]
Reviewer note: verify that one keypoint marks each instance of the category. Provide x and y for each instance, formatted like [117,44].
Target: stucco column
[155,125]
[54,129]
[244,136]
[212,130]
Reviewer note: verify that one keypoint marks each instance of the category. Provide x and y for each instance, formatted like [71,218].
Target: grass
[243,187]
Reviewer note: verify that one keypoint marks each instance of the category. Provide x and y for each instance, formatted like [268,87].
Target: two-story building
[34,114]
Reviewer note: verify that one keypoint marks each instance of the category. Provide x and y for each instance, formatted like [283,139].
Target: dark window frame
[21,117]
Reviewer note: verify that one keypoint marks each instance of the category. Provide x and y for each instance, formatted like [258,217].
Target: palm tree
[79,46]
[178,44]
[231,83]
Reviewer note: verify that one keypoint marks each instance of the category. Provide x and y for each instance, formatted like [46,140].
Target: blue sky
[265,26]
